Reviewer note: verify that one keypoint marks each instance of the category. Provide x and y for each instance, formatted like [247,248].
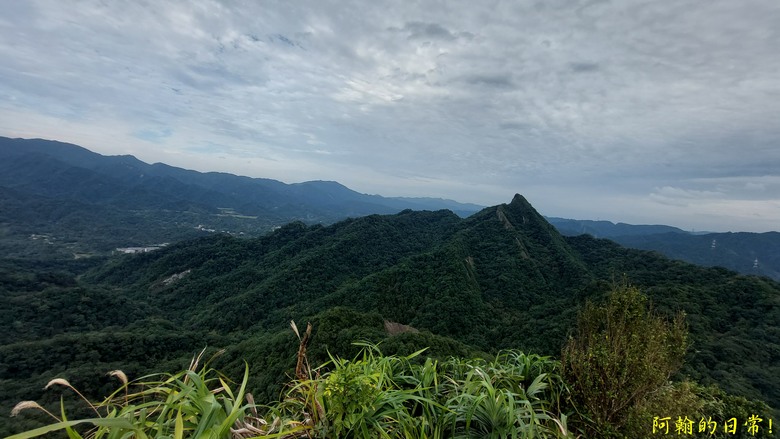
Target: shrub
[622,354]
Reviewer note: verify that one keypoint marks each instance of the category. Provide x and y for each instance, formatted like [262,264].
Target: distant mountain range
[67,194]
[62,200]
[62,170]
[607,229]
[747,253]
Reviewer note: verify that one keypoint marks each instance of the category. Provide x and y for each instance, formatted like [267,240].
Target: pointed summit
[520,201]
[522,213]
[519,213]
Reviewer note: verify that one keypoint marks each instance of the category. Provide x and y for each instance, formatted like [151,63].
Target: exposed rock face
[394,328]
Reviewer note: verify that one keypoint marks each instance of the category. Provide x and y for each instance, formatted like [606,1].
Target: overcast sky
[643,112]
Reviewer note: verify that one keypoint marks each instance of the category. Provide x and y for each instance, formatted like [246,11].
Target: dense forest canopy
[502,278]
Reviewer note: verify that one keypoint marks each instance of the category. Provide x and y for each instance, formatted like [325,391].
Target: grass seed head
[295,329]
[64,382]
[24,405]
[120,375]
[60,381]
[195,361]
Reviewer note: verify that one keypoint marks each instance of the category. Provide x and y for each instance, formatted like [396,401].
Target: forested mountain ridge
[42,166]
[61,200]
[488,265]
[132,203]
[502,278]
[608,229]
[748,253]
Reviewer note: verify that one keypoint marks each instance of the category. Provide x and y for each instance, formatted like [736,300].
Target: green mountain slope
[607,229]
[85,203]
[734,319]
[503,277]
[747,253]
[63,170]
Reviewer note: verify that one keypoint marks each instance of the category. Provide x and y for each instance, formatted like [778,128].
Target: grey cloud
[583,67]
[507,97]
[419,30]
[513,126]
[425,31]
[496,80]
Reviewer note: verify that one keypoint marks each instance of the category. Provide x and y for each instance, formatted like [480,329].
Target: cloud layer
[632,111]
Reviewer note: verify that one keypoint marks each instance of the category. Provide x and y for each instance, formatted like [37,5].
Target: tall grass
[196,402]
[369,396]
[372,395]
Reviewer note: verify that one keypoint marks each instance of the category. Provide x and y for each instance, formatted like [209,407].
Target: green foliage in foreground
[192,403]
[372,395]
[619,364]
[614,383]
[621,356]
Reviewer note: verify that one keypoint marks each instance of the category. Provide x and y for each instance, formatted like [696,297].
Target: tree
[621,355]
